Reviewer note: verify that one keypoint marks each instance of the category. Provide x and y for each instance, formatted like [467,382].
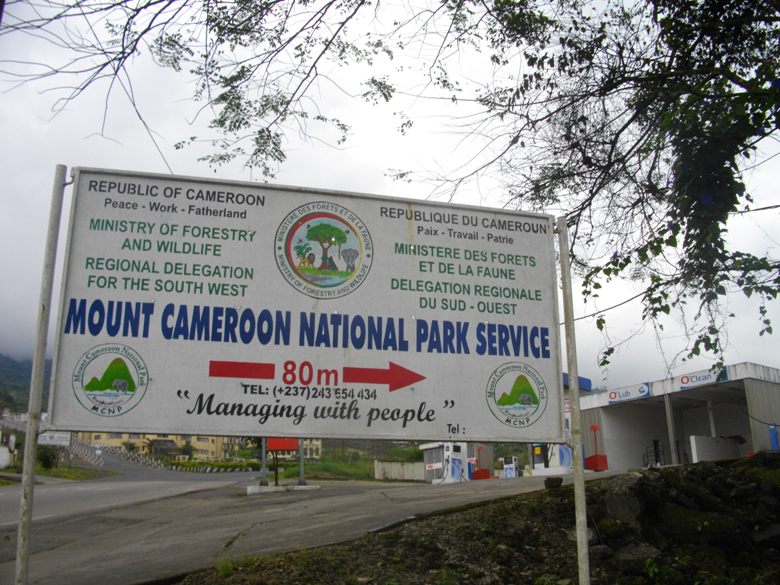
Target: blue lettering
[513,340]
[421,333]
[96,318]
[200,322]
[231,321]
[77,310]
[282,329]
[357,332]
[338,330]
[374,332]
[403,344]
[246,327]
[109,318]
[323,333]
[390,341]
[216,323]
[182,329]
[306,334]
[448,338]
[165,328]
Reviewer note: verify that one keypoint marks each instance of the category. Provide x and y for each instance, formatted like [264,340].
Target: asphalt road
[143,541]
[137,483]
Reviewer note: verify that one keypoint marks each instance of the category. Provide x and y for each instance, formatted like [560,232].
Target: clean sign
[198,306]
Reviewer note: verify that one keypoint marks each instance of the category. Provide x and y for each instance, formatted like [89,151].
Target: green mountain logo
[522,393]
[116,377]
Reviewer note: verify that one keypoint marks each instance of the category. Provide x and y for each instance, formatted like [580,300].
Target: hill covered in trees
[15,383]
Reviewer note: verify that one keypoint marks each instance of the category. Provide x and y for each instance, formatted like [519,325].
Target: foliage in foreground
[637,120]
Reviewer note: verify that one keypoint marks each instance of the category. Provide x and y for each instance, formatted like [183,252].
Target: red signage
[279,444]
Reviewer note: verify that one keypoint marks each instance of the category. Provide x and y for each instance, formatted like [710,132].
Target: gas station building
[700,416]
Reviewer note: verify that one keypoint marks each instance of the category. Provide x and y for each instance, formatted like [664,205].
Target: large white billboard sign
[198,306]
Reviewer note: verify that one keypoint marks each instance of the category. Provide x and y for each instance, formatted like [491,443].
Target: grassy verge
[69,473]
[75,473]
[223,465]
[331,469]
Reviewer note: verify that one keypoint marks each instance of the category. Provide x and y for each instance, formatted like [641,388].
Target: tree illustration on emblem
[326,235]
[302,251]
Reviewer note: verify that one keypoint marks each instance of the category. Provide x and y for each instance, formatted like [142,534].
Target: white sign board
[701,378]
[57,439]
[197,306]
[629,393]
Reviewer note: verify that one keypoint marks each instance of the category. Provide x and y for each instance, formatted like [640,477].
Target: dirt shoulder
[710,523]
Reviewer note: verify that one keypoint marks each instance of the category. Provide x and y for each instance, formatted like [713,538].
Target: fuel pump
[510,467]
[455,463]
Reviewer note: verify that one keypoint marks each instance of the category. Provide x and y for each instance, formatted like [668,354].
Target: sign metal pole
[36,381]
[580,510]
[264,460]
[301,479]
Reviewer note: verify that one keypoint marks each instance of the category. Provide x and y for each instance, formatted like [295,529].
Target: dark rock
[769,536]
[553,483]
[612,530]
[695,526]
[632,558]
[599,551]
[622,502]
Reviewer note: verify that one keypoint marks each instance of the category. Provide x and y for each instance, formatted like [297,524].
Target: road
[145,541]
[136,483]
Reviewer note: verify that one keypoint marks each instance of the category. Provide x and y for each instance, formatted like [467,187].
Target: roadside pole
[263,459]
[301,479]
[580,510]
[36,381]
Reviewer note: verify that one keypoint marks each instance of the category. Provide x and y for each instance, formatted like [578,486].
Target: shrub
[48,456]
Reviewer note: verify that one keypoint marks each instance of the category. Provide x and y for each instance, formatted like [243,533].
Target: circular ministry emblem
[516,394]
[110,379]
[323,250]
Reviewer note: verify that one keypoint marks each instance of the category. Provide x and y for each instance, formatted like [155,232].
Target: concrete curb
[252,490]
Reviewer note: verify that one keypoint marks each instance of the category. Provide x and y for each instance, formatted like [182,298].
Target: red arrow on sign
[395,376]
[242,370]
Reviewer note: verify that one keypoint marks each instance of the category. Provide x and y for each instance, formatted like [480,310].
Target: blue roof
[585,384]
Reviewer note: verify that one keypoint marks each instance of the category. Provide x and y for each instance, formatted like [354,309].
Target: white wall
[628,430]
[730,420]
[5,457]
[393,470]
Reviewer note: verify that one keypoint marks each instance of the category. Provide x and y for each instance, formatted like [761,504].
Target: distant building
[693,417]
[204,447]
[312,451]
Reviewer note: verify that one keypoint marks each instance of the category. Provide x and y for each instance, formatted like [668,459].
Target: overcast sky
[33,142]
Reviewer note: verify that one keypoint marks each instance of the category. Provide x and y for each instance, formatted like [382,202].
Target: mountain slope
[15,383]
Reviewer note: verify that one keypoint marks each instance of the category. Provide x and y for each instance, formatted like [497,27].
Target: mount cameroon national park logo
[324,250]
[110,380]
[517,395]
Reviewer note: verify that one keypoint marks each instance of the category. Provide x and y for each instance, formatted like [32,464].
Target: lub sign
[198,306]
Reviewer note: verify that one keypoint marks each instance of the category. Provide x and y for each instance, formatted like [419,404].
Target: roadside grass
[75,473]
[361,469]
[225,465]
[4,481]
[69,473]
[224,566]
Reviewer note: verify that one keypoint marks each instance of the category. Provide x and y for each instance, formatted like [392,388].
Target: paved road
[146,541]
[137,483]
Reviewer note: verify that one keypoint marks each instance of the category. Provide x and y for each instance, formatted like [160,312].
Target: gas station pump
[455,463]
[510,467]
